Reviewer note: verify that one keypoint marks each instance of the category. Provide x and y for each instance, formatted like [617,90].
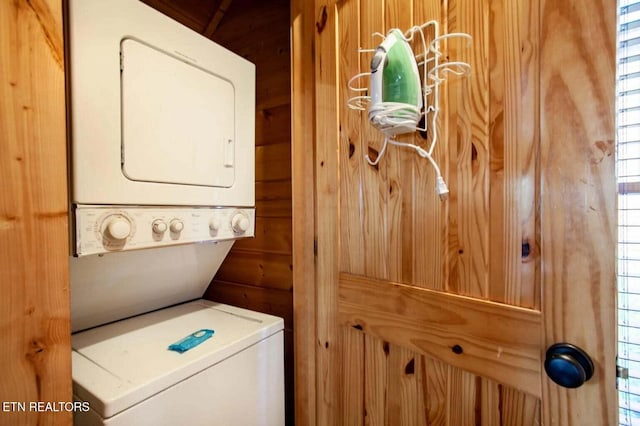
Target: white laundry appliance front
[161,130]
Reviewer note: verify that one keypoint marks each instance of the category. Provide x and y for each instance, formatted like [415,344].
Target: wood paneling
[273,162]
[303,189]
[578,198]
[498,341]
[404,273]
[34,307]
[257,268]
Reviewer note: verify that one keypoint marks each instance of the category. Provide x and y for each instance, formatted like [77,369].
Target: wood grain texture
[469,145]
[327,168]
[304,207]
[34,307]
[498,341]
[578,235]
[352,377]
[430,225]
[486,243]
[375,189]
[257,268]
[514,143]
[399,164]
[352,251]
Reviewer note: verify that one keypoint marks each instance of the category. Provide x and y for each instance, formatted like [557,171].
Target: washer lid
[120,364]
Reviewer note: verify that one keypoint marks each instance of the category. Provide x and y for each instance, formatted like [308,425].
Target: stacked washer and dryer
[161,124]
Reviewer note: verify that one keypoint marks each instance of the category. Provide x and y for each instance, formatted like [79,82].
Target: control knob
[240,223]
[176,226]
[159,226]
[214,224]
[118,227]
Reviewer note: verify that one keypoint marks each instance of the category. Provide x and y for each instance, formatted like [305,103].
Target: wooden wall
[34,277]
[439,313]
[257,274]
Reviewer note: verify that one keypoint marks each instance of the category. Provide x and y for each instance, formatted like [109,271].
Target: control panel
[104,229]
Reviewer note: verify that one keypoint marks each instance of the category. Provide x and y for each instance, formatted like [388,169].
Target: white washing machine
[162,140]
[128,377]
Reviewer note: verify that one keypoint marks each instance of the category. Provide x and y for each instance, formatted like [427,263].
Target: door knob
[568,365]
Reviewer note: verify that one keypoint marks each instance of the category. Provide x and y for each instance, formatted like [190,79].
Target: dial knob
[176,225]
[118,227]
[240,223]
[159,226]
[214,224]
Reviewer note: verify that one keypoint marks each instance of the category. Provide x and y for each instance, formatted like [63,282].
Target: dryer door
[177,119]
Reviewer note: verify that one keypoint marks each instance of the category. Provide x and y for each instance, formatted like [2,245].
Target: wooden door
[425,312]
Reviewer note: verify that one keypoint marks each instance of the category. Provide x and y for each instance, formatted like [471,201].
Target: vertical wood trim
[327,166]
[431,227]
[304,228]
[375,188]
[578,201]
[352,255]
[469,181]
[514,142]
[34,282]
[352,160]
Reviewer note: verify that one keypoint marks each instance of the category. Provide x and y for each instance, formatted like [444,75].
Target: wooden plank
[469,121]
[435,395]
[514,141]
[191,13]
[272,236]
[375,381]
[273,162]
[274,209]
[405,388]
[375,189]
[375,238]
[258,269]
[212,26]
[499,342]
[352,377]
[351,159]
[274,190]
[430,224]
[519,409]
[578,198]
[351,225]
[513,148]
[268,300]
[34,307]
[490,402]
[461,397]
[303,190]
[273,125]
[399,164]
[249,23]
[327,167]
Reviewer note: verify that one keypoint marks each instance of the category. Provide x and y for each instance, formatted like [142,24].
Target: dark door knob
[568,365]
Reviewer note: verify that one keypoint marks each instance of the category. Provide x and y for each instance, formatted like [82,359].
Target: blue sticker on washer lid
[191,341]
